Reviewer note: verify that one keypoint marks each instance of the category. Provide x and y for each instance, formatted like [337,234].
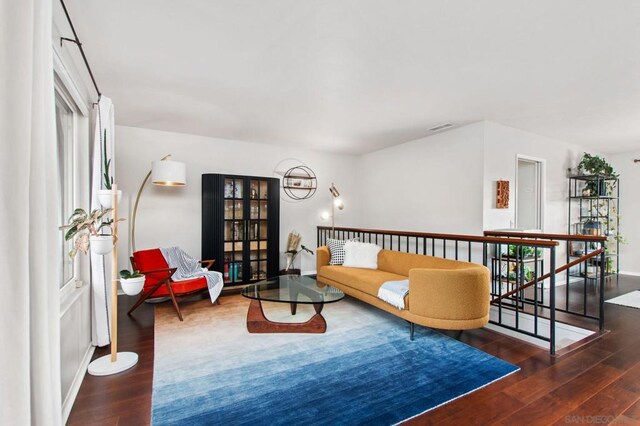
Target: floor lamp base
[104,367]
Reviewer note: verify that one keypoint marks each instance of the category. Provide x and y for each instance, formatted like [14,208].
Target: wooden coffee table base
[258,323]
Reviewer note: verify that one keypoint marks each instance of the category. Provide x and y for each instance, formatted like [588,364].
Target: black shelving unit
[594,202]
[241,226]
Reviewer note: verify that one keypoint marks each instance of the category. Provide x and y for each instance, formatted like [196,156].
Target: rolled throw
[394,292]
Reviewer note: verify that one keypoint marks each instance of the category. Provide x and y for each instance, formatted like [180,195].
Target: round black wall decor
[299,183]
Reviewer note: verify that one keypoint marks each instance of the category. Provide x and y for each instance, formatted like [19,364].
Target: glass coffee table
[292,289]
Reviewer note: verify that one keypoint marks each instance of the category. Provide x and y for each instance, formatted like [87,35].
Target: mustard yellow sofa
[444,294]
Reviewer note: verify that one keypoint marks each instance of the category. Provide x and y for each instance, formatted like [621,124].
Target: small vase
[290,259]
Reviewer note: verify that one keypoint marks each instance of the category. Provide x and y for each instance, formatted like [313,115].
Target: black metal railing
[583,253]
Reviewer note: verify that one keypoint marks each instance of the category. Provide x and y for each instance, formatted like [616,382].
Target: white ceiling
[356,76]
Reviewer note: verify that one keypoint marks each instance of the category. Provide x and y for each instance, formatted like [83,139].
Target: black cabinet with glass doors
[240,226]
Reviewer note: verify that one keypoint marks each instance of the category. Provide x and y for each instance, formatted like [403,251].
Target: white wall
[502,146]
[629,210]
[433,184]
[172,216]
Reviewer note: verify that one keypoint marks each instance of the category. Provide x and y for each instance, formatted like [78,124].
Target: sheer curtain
[29,306]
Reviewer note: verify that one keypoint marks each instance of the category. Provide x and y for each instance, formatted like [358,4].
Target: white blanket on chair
[393,292]
[189,268]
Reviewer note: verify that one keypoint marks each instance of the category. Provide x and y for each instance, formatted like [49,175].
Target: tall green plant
[108,180]
[596,165]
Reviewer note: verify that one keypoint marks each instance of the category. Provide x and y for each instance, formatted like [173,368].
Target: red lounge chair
[158,281]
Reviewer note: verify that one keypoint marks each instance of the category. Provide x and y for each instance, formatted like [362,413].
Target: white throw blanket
[393,292]
[189,268]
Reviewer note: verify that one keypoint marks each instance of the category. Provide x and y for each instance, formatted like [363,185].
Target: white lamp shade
[168,173]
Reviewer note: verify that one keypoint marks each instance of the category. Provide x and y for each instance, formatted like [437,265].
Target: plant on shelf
[292,249]
[88,230]
[108,179]
[105,195]
[127,274]
[523,252]
[597,166]
[131,282]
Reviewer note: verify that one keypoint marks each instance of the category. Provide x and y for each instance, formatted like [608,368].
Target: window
[65,143]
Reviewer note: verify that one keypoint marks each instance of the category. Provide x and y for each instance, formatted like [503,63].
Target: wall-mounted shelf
[299,183]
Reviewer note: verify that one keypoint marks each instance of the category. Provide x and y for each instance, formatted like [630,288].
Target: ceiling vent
[441,127]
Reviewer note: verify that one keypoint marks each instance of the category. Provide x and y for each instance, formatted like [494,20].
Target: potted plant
[594,165]
[292,250]
[105,196]
[131,282]
[88,230]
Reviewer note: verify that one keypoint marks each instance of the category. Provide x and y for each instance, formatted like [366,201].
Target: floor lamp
[116,361]
[163,173]
[336,202]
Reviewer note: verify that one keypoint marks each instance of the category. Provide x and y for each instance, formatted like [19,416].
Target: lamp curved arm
[135,206]
[135,211]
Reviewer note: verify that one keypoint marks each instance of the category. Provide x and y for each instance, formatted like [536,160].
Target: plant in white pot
[105,196]
[131,282]
[88,230]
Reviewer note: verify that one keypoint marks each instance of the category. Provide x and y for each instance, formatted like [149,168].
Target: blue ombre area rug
[210,371]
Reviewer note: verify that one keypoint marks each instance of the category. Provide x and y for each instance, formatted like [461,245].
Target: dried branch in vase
[292,252]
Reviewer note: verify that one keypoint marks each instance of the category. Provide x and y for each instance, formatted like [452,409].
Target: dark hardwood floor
[598,383]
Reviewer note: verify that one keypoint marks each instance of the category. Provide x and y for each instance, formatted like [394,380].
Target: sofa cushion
[401,263]
[336,247]
[361,255]
[365,280]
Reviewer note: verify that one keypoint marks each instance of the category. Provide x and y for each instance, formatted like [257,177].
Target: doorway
[529,193]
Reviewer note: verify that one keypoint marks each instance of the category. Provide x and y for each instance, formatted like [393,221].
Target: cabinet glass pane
[253,229]
[237,188]
[228,209]
[238,209]
[253,270]
[263,193]
[233,230]
[233,272]
[228,188]
[262,271]
[254,209]
[263,229]
[254,188]
[263,210]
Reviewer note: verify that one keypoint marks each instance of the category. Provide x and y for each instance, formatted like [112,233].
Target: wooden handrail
[458,237]
[548,274]
[564,237]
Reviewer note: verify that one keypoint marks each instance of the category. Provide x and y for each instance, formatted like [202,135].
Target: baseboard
[67,405]
[633,274]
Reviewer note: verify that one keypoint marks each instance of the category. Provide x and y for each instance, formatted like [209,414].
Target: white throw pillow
[361,255]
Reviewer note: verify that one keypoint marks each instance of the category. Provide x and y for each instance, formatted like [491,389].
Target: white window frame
[68,90]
